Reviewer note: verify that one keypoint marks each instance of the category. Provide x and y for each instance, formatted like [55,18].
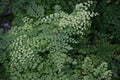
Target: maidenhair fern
[92,73]
[38,48]
[35,10]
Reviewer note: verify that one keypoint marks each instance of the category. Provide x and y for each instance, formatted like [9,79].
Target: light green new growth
[38,49]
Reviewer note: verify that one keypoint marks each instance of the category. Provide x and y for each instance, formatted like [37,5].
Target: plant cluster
[50,39]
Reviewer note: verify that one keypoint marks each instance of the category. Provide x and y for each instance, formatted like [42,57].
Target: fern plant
[38,48]
[92,73]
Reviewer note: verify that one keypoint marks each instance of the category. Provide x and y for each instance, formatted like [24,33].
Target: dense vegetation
[59,40]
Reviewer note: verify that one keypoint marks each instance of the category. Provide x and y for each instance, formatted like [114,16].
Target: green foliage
[106,31]
[109,26]
[92,73]
[38,49]
[50,38]
[40,54]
